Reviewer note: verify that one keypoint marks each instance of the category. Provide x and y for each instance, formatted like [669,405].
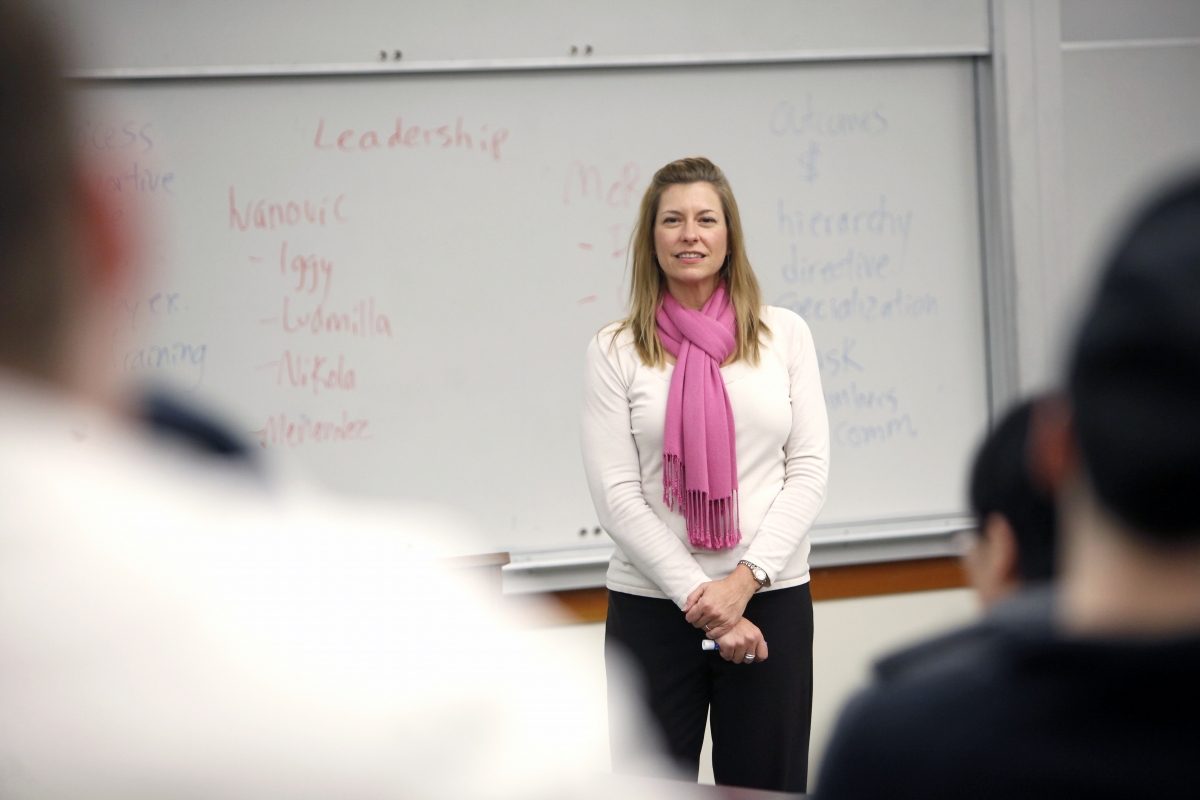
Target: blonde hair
[647,282]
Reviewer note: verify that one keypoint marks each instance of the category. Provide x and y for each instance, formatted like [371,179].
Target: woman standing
[706,448]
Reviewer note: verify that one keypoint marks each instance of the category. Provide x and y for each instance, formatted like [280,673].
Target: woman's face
[690,237]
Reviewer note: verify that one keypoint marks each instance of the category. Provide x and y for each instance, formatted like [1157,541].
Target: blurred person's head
[1013,545]
[64,256]
[1122,448]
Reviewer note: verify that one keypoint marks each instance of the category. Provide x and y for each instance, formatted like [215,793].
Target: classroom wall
[1131,116]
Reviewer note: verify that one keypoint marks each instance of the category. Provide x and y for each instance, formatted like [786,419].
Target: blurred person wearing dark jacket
[1012,546]
[1089,690]
[1009,558]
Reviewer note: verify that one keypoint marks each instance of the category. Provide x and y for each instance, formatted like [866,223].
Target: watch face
[759,574]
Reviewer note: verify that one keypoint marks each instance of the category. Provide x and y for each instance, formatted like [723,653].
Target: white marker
[709,644]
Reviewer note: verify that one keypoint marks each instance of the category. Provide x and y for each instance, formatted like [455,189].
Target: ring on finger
[749,656]
[706,627]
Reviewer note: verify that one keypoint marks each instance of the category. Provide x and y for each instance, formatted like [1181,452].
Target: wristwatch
[758,572]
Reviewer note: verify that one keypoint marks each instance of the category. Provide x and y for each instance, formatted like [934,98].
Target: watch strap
[755,569]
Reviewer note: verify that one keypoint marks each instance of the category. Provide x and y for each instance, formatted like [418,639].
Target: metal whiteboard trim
[875,531]
[1129,44]
[519,64]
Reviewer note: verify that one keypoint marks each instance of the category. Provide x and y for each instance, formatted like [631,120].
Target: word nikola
[269,215]
[412,136]
[280,430]
[362,320]
[311,271]
[301,372]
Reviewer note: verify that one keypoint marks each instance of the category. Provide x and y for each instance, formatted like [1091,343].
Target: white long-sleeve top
[782,461]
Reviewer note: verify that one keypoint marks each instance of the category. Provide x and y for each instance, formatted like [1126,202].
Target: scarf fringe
[711,524]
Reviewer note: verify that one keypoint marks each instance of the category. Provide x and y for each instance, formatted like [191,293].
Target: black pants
[760,713]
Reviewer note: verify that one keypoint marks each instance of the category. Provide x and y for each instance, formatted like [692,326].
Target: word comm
[412,136]
[804,120]
[878,220]
[312,372]
[361,320]
[269,215]
[852,435]
[280,430]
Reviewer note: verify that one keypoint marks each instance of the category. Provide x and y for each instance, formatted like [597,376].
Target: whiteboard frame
[519,64]
[1022,192]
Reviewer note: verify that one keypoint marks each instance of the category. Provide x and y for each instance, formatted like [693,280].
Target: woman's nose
[690,231]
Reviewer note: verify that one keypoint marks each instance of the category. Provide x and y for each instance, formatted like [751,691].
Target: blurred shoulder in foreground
[169,628]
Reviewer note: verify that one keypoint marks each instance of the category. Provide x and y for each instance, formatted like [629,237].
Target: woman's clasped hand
[716,607]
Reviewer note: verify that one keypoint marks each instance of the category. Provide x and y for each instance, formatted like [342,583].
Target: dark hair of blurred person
[1095,695]
[1013,545]
[39,195]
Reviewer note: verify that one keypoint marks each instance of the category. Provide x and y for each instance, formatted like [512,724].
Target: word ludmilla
[412,136]
[362,320]
[270,215]
[280,430]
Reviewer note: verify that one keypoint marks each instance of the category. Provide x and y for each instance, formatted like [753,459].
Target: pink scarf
[699,453]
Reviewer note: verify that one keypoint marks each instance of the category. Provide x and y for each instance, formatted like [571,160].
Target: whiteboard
[390,281]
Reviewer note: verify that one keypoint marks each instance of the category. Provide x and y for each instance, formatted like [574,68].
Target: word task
[458,136]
